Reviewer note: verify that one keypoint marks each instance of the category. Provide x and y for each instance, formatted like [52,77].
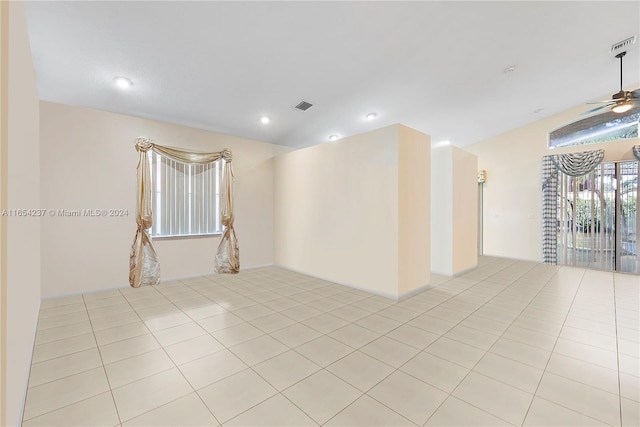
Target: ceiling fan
[620,102]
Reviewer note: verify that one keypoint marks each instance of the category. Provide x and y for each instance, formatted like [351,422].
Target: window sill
[187,236]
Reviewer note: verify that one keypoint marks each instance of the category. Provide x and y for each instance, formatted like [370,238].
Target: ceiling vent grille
[303,106]
[624,44]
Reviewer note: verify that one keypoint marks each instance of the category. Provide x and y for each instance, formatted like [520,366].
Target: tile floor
[509,343]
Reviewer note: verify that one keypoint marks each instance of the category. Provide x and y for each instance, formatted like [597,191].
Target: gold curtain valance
[144,266]
[179,155]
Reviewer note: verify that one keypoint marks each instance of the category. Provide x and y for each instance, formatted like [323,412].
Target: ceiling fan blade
[593,110]
[607,101]
[635,93]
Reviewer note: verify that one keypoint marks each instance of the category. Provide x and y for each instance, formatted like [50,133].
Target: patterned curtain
[573,164]
[144,267]
[578,164]
[636,152]
[549,211]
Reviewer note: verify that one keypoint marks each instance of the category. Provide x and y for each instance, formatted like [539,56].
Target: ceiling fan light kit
[622,107]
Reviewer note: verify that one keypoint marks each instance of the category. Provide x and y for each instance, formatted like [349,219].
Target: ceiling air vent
[303,106]
[623,45]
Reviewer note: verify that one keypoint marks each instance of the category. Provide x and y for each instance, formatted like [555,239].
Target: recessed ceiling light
[123,82]
[264,120]
[371,116]
[333,137]
[509,69]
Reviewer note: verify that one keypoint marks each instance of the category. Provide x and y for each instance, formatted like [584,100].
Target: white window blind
[186,198]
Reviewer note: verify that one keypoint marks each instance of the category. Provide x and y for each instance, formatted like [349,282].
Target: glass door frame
[587,236]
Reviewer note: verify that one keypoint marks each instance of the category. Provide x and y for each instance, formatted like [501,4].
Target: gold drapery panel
[144,266]
[227,255]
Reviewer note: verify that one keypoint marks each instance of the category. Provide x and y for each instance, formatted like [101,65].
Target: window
[185,198]
[605,127]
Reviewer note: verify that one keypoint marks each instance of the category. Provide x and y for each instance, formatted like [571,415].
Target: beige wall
[338,207]
[454,201]
[23,233]
[88,162]
[4,142]
[336,210]
[512,192]
[465,211]
[414,215]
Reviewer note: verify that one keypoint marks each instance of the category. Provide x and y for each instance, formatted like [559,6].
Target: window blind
[185,198]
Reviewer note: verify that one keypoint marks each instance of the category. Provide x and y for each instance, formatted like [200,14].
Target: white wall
[454,201]
[512,192]
[338,206]
[23,233]
[441,210]
[89,160]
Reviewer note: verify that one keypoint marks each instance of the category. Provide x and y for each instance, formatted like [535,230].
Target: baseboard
[89,291]
[441,273]
[359,288]
[162,280]
[414,292]
[459,273]
[171,279]
[539,261]
[257,266]
[465,271]
[26,385]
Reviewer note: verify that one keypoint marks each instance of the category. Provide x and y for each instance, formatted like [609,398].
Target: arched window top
[605,127]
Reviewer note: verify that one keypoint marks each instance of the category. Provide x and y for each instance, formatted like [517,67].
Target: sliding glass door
[597,218]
